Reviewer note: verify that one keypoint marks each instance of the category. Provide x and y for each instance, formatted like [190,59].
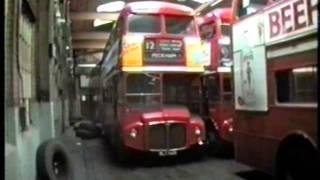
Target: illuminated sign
[163,51]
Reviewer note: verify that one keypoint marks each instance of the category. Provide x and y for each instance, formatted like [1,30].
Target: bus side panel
[257,135]
[219,114]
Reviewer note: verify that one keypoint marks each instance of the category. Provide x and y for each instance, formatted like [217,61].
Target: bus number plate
[172,153]
[167,153]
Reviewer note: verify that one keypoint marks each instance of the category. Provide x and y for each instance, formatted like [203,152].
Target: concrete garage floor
[93,161]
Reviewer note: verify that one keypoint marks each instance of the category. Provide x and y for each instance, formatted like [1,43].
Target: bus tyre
[87,125]
[53,161]
[121,154]
[86,134]
[297,163]
[201,154]
[214,143]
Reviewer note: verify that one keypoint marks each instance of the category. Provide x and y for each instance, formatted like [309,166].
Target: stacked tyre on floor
[53,159]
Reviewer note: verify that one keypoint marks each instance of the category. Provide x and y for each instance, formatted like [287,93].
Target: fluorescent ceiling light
[87,65]
[215,3]
[99,22]
[115,6]
[305,70]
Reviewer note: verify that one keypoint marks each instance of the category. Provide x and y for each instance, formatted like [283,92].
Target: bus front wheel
[214,143]
[297,161]
[121,153]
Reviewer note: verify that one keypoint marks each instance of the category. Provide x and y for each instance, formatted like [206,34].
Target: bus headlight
[200,142]
[133,133]
[197,131]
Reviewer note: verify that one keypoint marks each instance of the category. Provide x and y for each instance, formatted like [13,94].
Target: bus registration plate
[168,153]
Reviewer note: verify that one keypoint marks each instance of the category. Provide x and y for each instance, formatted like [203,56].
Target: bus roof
[158,7]
[224,14]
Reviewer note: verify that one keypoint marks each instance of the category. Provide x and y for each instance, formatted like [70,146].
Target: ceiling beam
[206,5]
[93,15]
[84,53]
[88,44]
[90,35]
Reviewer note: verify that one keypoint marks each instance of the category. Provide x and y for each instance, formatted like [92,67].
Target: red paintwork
[222,14]
[223,116]
[218,16]
[269,129]
[219,112]
[127,118]
[258,135]
[139,119]
[158,7]
[195,122]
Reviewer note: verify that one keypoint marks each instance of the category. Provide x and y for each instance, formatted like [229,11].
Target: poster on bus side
[250,65]
[206,50]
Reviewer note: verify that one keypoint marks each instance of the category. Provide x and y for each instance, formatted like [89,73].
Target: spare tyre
[85,134]
[88,126]
[53,161]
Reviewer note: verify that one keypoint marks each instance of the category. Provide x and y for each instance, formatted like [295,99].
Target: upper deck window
[115,6]
[184,25]
[144,23]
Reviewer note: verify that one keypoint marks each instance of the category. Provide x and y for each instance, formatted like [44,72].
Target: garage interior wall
[34,108]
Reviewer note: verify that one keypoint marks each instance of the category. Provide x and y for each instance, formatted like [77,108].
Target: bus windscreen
[176,25]
[183,25]
[143,90]
[144,23]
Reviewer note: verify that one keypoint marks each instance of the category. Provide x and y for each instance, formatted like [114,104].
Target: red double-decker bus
[275,51]
[148,81]
[215,31]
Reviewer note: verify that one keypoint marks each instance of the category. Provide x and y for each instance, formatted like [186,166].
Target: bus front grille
[167,136]
[177,135]
[157,136]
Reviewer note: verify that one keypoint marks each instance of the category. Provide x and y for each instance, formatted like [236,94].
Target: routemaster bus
[215,32]
[149,98]
[275,86]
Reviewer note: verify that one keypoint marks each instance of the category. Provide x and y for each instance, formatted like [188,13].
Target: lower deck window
[298,85]
[143,90]
[182,92]
[214,88]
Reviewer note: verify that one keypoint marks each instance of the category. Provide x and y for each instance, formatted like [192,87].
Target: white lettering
[162,55]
